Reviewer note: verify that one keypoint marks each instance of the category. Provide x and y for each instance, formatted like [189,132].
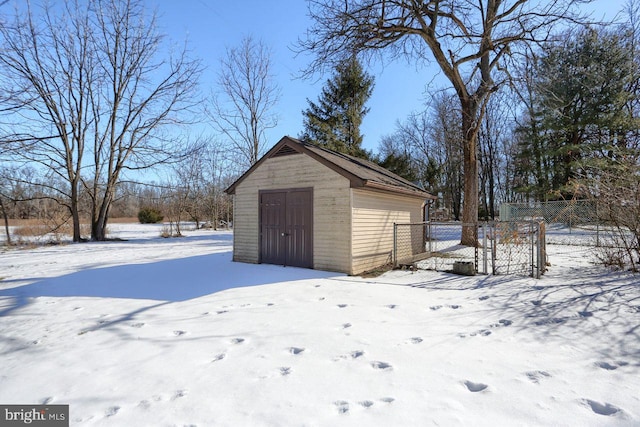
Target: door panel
[272,226]
[286,227]
[299,226]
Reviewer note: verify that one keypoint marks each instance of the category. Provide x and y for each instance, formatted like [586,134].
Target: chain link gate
[503,247]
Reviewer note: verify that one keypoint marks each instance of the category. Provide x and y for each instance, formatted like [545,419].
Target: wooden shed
[305,206]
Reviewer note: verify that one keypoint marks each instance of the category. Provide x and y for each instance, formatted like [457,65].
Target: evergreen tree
[334,121]
[578,115]
[400,164]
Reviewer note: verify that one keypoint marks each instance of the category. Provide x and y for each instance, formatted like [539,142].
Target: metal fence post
[395,245]
[539,251]
[493,248]
[533,250]
[484,248]
[597,226]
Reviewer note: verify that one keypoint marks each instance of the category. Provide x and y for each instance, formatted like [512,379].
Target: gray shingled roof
[360,172]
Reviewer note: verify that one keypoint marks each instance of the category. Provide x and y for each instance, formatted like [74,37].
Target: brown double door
[286,227]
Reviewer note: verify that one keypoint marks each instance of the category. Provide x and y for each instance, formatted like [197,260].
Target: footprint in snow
[343,406]
[536,376]
[366,403]
[112,411]
[610,366]
[285,370]
[342,305]
[501,322]
[454,306]
[346,325]
[387,399]
[475,387]
[602,408]
[137,325]
[356,354]
[221,311]
[381,365]
[219,357]
[484,297]
[481,332]
[178,394]
[435,307]
[237,341]
[144,404]
[416,340]
[391,306]
[295,350]
[179,333]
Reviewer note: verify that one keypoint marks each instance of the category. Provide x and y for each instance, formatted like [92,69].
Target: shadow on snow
[171,280]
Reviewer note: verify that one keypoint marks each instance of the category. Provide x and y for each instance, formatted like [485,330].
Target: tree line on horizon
[542,105]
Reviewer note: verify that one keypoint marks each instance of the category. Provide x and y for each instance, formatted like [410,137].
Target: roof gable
[360,173]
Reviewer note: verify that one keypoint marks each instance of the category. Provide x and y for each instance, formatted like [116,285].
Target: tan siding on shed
[331,205]
[374,214]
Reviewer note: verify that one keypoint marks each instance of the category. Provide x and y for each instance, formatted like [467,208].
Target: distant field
[36,222]
[43,231]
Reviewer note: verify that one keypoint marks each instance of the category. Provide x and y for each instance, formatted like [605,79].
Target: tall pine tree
[579,114]
[334,121]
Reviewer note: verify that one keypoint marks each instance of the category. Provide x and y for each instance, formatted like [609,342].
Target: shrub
[149,216]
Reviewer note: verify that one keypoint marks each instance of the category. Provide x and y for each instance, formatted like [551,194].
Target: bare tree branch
[468,39]
[242,107]
[91,96]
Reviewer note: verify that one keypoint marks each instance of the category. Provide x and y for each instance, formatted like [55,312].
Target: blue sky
[212,25]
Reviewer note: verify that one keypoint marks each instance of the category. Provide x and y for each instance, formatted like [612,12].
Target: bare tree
[448,142]
[90,97]
[494,138]
[48,112]
[468,39]
[5,218]
[139,97]
[219,171]
[241,109]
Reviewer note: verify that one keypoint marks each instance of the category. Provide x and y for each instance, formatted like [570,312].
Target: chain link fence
[503,248]
[574,222]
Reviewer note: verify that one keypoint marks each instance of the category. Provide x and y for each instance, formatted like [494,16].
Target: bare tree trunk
[5,216]
[75,213]
[470,205]
[100,218]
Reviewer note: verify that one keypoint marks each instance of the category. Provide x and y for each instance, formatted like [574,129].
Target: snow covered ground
[154,331]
